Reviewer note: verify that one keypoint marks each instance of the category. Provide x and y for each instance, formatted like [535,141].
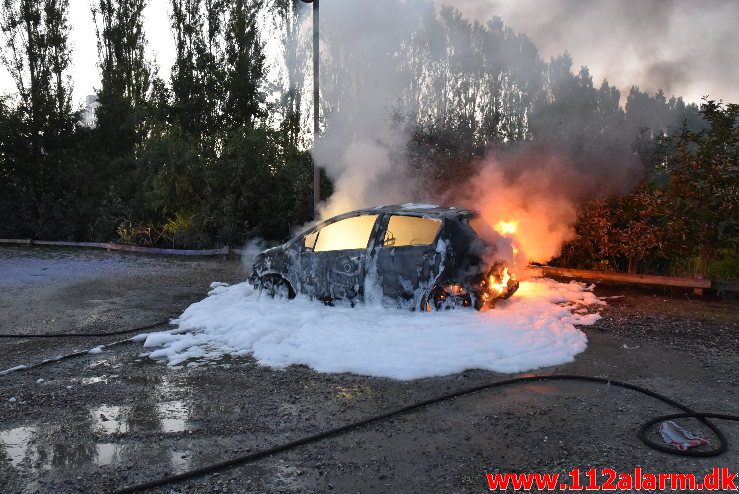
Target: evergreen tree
[126,74]
[288,15]
[198,79]
[244,66]
[37,56]
[705,183]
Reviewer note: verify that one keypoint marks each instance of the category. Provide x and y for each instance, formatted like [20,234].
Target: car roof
[417,210]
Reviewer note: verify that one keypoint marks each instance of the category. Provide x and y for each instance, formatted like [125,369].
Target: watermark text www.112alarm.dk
[608,479]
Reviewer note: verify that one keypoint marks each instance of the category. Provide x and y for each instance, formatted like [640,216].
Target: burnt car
[420,256]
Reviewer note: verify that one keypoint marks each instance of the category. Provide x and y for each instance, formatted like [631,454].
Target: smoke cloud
[685,47]
[530,196]
[360,86]
[386,59]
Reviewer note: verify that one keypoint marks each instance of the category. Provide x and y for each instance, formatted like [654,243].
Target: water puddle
[104,379]
[108,453]
[180,461]
[99,435]
[16,444]
[173,416]
[28,448]
[109,419]
[167,417]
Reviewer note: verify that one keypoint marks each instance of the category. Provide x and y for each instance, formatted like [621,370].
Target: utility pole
[316,108]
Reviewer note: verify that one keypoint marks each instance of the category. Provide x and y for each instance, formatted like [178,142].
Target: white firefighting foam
[535,328]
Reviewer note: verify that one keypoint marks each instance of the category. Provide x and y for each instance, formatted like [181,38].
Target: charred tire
[512,287]
[497,273]
[440,299]
[276,286]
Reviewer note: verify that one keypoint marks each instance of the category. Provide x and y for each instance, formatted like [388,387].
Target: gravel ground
[103,421]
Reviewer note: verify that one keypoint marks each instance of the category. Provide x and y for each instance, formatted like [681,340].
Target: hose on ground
[642,434]
[74,354]
[85,335]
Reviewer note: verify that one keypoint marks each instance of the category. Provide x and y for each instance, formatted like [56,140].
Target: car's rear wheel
[275,286]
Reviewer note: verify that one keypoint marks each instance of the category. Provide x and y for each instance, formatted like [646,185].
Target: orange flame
[499,286]
[509,229]
[506,227]
[524,198]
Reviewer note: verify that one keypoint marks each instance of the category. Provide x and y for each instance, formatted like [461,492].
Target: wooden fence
[223,251]
[696,284]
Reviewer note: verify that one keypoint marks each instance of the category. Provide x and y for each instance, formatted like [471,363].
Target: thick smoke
[531,196]
[360,85]
[685,47]
[388,59]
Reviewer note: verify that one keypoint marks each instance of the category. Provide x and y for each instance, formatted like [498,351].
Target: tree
[593,246]
[198,79]
[289,14]
[705,182]
[37,57]
[244,66]
[35,157]
[640,227]
[126,74]
[622,232]
[575,119]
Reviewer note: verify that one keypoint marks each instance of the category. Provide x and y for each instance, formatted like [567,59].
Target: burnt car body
[421,256]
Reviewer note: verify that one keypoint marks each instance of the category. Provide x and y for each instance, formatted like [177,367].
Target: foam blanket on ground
[535,328]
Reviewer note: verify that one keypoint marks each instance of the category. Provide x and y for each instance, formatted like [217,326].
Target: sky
[686,47]
[84,70]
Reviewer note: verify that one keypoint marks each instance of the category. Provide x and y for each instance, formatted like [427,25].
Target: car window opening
[347,234]
[410,230]
[309,242]
[483,229]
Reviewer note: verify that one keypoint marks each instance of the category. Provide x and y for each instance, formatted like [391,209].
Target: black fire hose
[74,335]
[83,335]
[642,434]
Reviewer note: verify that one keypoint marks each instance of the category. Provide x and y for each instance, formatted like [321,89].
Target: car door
[333,257]
[407,257]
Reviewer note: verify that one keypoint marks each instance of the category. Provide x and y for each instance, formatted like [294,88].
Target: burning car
[421,256]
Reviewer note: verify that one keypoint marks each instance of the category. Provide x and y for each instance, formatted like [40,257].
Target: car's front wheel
[447,297]
[275,286]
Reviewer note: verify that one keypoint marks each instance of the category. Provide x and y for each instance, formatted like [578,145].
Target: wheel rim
[440,299]
[275,287]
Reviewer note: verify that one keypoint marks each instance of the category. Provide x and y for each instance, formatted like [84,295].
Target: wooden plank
[129,248]
[26,241]
[64,243]
[641,279]
[180,252]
